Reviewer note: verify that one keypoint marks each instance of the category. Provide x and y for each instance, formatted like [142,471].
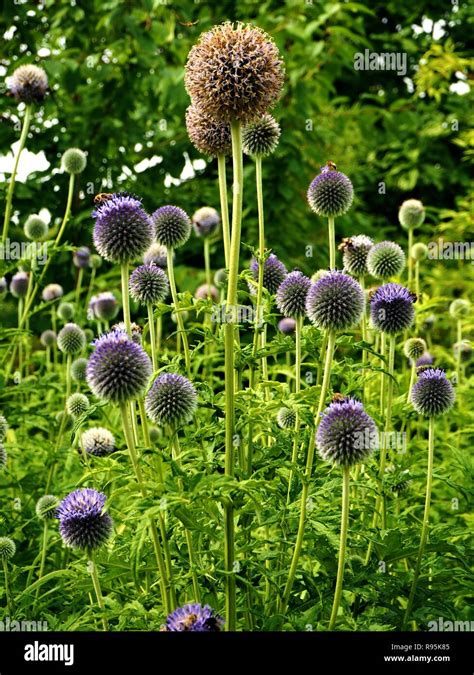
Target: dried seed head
[206,134]
[29,84]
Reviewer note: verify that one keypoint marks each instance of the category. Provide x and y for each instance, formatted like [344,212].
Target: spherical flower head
[3,456]
[459,308]
[78,369]
[3,427]
[346,434]
[123,230]
[386,259]
[149,284]
[330,194]
[82,257]
[19,284]
[7,548]
[171,400]
[52,292]
[98,441]
[391,308]
[173,226]
[3,286]
[419,251]
[155,434]
[66,311]
[156,254]
[292,293]
[335,302]
[105,306]
[287,326]
[74,161]
[426,359]
[77,404]
[83,523]
[48,338]
[46,507]
[274,271]
[260,138]
[463,349]
[204,291]
[220,278]
[354,254]
[71,339]
[118,369]
[433,393]
[206,134]
[135,329]
[205,221]
[234,73]
[411,214]
[194,618]
[95,261]
[286,418]
[35,228]
[29,84]
[414,348]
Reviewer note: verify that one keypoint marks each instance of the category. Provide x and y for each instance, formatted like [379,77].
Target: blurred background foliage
[116,73]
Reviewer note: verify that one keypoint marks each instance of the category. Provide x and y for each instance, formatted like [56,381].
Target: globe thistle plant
[172,400]
[77,404]
[391,309]
[462,351]
[291,294]
[286,418]
[459,308]
[35,228]
[74,161]
[19,284]
[7,551]
[432,395]
[386,259]
[82,257]
[48,338]
[148,284]
[234,73]
[29,84]
[413,349]
[52,292]
[411,214]
[71,339]
[98,442]
[260,137]
[205,221]
[345,437]
[46,507]
[287,326]
[206,291]
[78,370]
[83,522]
[354,254]
[3,427]
[426,359]
[194,618]
[173,226]
[156,254]
[66,311]
[105,306]
[206,134]
[335,302]
[274,272]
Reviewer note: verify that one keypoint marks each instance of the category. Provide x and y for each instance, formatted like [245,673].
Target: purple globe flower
[335,302]
[81,257]
[205,221]
[171,400]
[426,359]
[105,306]
[274,271]
[330,193]
[194,618]
[346,434]
[52,292]
[354,254]
[432,394]
[287,326]
[83,523]
[391,308]
[29,84]
[118,369]
[19,284]
[173,226]
[149,284]
[123,230]
[291,294]
[156,254]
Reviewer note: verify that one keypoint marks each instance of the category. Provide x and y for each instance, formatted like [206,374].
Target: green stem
[7,588]
[426,517]
[90,287]
[332,244]
[412,381]
[179,317]
[98,591]
[417,280]
[207,265]
[125,298]
[80,275]
[130,440]
[308,472]
[224,207]
[11,186]
[363,329]
[20,338]
[67,213]
[342,547]
[458,355]
[294,454]
[229,339]
[410,259]
[151,327]
[68,375]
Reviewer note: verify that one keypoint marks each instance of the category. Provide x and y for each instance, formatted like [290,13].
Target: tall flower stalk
[11,187]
